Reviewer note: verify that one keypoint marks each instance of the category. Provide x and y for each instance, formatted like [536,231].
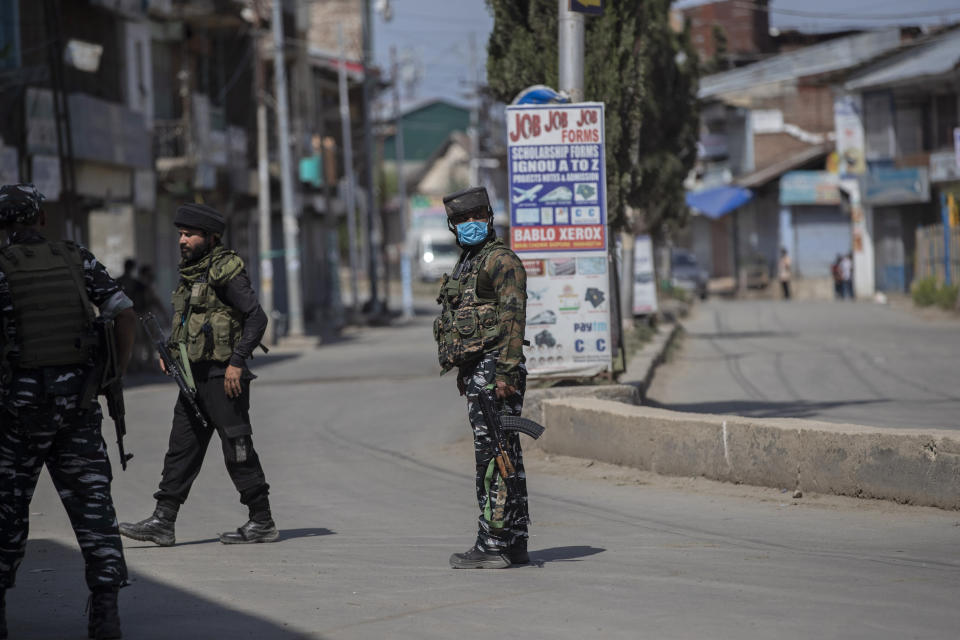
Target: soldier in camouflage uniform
[480,332]
[46,289]
[217,323]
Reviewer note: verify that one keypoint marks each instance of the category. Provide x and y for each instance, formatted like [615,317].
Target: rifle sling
[185,362]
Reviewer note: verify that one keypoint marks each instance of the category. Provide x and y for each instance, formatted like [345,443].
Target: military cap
[199,216]
[466,201]
[19,203]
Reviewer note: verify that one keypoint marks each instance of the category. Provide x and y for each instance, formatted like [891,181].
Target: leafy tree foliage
[643,71]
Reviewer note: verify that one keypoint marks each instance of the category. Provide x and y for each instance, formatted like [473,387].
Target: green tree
[644,72]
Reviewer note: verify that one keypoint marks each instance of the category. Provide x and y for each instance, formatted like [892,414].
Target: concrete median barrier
[621,393]
[908,466]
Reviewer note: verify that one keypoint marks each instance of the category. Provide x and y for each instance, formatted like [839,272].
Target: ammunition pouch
[208,327]
[468,325]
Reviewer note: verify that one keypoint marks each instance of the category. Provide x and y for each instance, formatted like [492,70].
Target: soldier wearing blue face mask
[480,333]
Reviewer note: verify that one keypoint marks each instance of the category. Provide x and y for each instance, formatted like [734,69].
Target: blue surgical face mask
[471,233]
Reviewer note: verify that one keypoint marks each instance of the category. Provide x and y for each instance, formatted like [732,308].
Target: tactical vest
[209,328]
[51,309]
[468,325]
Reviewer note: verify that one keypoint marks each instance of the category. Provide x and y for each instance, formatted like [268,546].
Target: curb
[906,466]
[643,365]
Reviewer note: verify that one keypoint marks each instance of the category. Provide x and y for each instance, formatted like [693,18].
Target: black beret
[466,201]
[199,216]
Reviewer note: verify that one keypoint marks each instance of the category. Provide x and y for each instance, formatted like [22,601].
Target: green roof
[426,128]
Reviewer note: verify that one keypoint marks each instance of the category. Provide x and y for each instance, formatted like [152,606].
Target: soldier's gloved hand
[461,385]
[231,381]
[504,390]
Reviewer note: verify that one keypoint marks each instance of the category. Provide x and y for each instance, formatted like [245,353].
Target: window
[945,120]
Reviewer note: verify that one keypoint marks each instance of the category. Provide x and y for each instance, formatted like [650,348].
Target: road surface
[372,485]
[860,363]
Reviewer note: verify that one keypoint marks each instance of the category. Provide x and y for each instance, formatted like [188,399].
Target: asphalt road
[365,449]
[860,363]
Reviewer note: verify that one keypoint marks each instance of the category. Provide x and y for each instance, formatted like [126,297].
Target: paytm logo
[587,327]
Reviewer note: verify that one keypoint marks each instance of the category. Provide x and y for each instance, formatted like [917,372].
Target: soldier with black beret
[49,416]
[217,323]
[480,333]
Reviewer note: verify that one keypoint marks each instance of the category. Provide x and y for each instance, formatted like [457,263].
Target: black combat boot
[251,532]
[158,528]
[104,619]
[479,558]
[260,527]
[517,552]
[3,614]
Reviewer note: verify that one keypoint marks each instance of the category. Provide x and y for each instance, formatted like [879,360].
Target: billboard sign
[558,227]
[644,278]
[851,142]
[556,175]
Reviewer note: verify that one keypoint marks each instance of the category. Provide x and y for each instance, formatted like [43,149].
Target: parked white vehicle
[435,253]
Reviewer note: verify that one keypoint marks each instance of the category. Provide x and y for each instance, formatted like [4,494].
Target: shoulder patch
[225,267]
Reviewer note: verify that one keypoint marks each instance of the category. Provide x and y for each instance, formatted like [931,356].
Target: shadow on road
[561,554]
[745,335]
[285,534]
[50,596]
[761,409]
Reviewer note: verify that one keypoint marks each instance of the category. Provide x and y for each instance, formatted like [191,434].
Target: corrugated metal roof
[832,55]
[936,57]
[767,174]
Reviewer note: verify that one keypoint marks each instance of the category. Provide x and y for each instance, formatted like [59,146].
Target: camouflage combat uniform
[41,423]
[500,278]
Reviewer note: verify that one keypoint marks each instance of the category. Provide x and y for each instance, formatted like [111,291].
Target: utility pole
[474,115]
[263,174]
[61,117]
[405,270]
[570,45]
[291,226]
[348,175]
[372,234]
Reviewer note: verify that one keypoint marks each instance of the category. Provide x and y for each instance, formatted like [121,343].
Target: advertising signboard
[558,227]
[809,187]
[851,145]
[644,278]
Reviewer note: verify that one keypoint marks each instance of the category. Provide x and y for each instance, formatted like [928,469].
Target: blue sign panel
[897,186]
[589,7]
[809,187]
[557,177]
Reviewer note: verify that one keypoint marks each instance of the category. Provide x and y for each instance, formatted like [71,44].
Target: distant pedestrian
[837,277]
[128,281]
[785,272]
[145,300]
[846,276]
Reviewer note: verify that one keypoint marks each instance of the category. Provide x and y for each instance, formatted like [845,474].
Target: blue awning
[719,201]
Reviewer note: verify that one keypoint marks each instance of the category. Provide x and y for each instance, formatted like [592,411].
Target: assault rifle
[107,380]
[498,423]
[173,366]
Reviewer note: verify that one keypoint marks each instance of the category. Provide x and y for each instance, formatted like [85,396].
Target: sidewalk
[908,463]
